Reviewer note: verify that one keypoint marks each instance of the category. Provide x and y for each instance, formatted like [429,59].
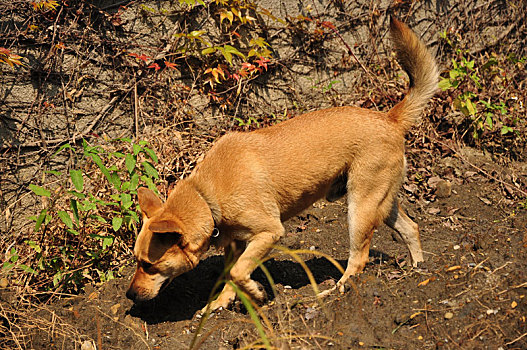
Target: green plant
[224,58]
[464,79]
[90,214]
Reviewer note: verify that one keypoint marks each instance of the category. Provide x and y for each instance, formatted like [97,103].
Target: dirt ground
[469,293]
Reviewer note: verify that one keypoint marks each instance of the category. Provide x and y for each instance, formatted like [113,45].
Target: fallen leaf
[453,268]
[485,200]
[424,283]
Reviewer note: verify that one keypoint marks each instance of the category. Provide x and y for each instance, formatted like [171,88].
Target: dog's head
[171,241]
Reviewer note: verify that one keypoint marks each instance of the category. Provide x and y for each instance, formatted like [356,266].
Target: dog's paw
[217,305]
[343,287]
[261,295]
[326,292]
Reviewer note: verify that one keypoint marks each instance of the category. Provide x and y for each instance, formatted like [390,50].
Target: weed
[486,114]
[89,216]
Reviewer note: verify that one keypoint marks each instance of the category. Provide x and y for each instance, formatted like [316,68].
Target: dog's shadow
[190,292]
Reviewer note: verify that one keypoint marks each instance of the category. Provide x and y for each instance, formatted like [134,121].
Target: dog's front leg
[258,247]
[228,294]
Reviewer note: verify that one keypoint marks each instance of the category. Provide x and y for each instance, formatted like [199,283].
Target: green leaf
[150,170]
[506,129]
[445,84]
[74,209]
[40,219]
[7,265]
[208,50]
[73,231]
[228,56]
[196,33]
[27,269]
[61,148]
[115,180]
[100,219]
[116,223]
[471,107]
[106,242]
[66,219]
[57,278]
[130,161]
[77,194]
[98,161]
[39,191]
[77,179]
[14,256]
[134,181]
[151,154]
[136,149]
[33,245]
[53,172]
[149,183]
[233,50]
[488,120]
[126,200]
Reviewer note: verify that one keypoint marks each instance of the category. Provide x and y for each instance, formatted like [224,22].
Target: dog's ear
[148,201]
[165,225]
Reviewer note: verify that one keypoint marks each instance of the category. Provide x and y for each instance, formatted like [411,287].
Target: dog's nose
[131,294]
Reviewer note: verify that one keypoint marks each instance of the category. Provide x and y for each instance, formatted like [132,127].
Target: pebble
[443,189]
[312,247]
[449,315]
[114,309]
[456,247]
[87,345]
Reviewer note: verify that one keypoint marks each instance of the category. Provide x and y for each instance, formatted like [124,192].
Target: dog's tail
[420,66]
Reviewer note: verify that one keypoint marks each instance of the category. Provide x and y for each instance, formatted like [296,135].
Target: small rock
[456,247]
[114,309]
[448,315]
[312,247]
[434,211]
[443,189]
[87,345]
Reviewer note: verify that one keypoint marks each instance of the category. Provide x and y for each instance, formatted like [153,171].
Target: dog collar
[215,232]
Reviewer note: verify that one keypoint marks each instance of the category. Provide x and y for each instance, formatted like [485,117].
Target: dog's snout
[131,294]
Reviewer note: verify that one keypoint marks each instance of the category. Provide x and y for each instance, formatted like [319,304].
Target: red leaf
[141,57]
[262,62]
[170,65]
[328,25]
[155,66]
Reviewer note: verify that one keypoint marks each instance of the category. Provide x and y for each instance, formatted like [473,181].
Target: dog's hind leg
[368,206]
[407,231]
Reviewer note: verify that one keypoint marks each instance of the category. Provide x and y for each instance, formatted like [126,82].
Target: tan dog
[249,183]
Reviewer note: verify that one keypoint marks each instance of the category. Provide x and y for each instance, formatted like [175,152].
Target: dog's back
[301,158]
